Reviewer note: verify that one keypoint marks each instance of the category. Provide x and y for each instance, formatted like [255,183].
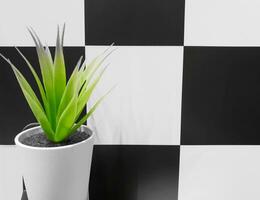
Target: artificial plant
[61,102]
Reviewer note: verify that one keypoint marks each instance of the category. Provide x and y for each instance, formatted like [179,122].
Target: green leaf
[85,95]
[21,80]
[81,76]
[40,116]
[90,112]
[90,70]
[32,100]
[94,65]
[46,66]
[66,121]
[37,79]
[59,69]
[70,90]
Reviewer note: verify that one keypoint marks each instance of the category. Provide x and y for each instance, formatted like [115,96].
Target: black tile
[134,22]
[221,96]
[132,172]
[15,113]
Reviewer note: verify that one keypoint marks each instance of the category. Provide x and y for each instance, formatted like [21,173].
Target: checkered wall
[183,121]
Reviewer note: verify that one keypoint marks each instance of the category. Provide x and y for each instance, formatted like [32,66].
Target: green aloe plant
[62,101]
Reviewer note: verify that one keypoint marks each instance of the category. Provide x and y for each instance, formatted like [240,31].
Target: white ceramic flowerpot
[56,173]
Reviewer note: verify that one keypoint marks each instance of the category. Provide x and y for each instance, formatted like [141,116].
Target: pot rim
[18,143]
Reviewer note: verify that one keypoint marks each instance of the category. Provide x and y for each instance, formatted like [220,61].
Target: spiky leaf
[59,70]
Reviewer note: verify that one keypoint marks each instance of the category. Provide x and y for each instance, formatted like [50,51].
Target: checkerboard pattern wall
[183,121]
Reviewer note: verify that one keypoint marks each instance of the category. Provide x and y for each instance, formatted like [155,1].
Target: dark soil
[40,140]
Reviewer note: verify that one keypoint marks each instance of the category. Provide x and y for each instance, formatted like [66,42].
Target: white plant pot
[56,173]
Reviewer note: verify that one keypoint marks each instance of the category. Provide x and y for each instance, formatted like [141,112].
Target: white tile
[222,22]
[219,173]
[10,176]
[43,16]
[145,107]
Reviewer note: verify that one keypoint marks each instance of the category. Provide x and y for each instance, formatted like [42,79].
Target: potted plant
[55,157]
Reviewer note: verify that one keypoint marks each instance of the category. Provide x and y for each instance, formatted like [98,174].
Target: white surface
[10,175]
[57,173]
[145,106]
[219,173]
[43,16]
[222,22]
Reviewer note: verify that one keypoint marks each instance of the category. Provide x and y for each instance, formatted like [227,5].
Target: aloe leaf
[39,115]
[21,80]
[32,99]
[52,108]
[44,57]
[88,74]
[66,120]
[93,67]
[81,76]
[62,36]
[48,56]
[84,119]
[97,61]
[45,62]
[95,64]
[59,70]
[36,77]
[46,67]
[85,95]
[40,86]
[69,91]
[90,112]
